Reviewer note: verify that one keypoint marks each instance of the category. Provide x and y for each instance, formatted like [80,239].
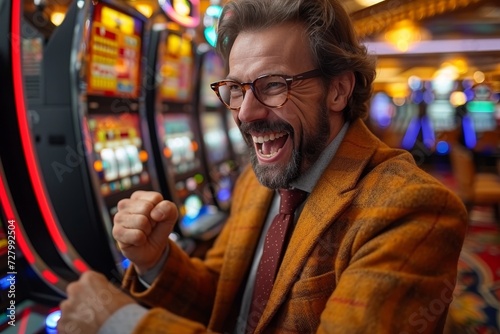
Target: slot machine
[232,151]
[34,269]
[175,130]
[219,153]
[441,115]
[26,298]
[87,122]
[30,290]
[479,123]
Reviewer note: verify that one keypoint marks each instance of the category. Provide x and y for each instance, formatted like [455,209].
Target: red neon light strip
[49,276]
[25,317]
[21,241]
[9,211]
[80,265]
[25,133]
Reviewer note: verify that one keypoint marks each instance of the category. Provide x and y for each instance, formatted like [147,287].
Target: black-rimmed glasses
[272,90]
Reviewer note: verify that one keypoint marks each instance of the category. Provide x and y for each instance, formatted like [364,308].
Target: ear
[340,91]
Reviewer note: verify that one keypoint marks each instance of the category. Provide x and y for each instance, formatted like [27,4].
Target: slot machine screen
[442,115]
[483,115]
[32,56]
[212,70]
[114,53]
[176,69]
[179,144]
[214,136]
[197,216]
[119,155]
[182,153]
[440,111]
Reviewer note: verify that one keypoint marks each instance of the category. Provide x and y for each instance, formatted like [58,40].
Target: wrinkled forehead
[281,46]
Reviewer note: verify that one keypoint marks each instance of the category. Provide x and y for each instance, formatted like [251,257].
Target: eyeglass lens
[271,90]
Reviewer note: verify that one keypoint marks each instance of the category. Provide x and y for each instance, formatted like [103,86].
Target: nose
[251,109]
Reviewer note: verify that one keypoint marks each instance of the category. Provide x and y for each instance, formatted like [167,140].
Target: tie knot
[291,199]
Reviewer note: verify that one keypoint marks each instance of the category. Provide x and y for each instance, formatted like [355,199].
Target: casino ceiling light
[404,34]
[370,21]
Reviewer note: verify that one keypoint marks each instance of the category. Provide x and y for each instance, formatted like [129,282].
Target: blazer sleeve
[183,295]
[398,264]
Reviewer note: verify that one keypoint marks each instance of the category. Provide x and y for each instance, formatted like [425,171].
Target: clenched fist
[142,227]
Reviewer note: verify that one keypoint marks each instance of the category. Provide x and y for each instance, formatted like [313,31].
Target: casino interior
[102,98]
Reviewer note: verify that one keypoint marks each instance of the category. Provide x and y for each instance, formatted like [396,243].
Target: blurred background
[102,98]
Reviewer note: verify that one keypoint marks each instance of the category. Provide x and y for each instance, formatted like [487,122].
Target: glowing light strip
[50,276]
[26,139]
[80,265]
[9,211]
[27,144]
[8,207]
[25,317]
[469,132]
[437,46]
[411,134]
[428,136]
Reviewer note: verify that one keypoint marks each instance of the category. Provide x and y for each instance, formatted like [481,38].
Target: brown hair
[334,44]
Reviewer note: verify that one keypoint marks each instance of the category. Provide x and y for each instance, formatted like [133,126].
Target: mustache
[265,126]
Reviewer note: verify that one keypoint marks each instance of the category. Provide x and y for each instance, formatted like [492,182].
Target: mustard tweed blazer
[375,250]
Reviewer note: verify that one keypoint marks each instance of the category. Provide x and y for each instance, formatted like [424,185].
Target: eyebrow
[260,75]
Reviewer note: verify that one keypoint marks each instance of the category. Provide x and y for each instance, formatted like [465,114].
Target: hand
[142,226]
[91,301]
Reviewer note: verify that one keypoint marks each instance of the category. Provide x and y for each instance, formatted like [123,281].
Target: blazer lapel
[330,197]
[246,229]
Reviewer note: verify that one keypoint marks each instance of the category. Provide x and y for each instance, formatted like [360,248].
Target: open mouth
[269,145]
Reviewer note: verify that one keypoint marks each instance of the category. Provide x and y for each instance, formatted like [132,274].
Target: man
[373,248]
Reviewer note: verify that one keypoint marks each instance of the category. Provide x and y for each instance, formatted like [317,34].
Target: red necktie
[272,253]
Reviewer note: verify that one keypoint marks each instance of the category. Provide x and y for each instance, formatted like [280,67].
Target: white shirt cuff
[149,276]
[124,320]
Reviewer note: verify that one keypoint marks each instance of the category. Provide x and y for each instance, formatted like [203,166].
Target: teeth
[270,155]
[263,139]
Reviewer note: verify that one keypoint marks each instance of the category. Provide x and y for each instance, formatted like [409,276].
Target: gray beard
[275,177]
[272,176]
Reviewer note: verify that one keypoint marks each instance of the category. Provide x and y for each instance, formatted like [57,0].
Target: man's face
[284,142]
